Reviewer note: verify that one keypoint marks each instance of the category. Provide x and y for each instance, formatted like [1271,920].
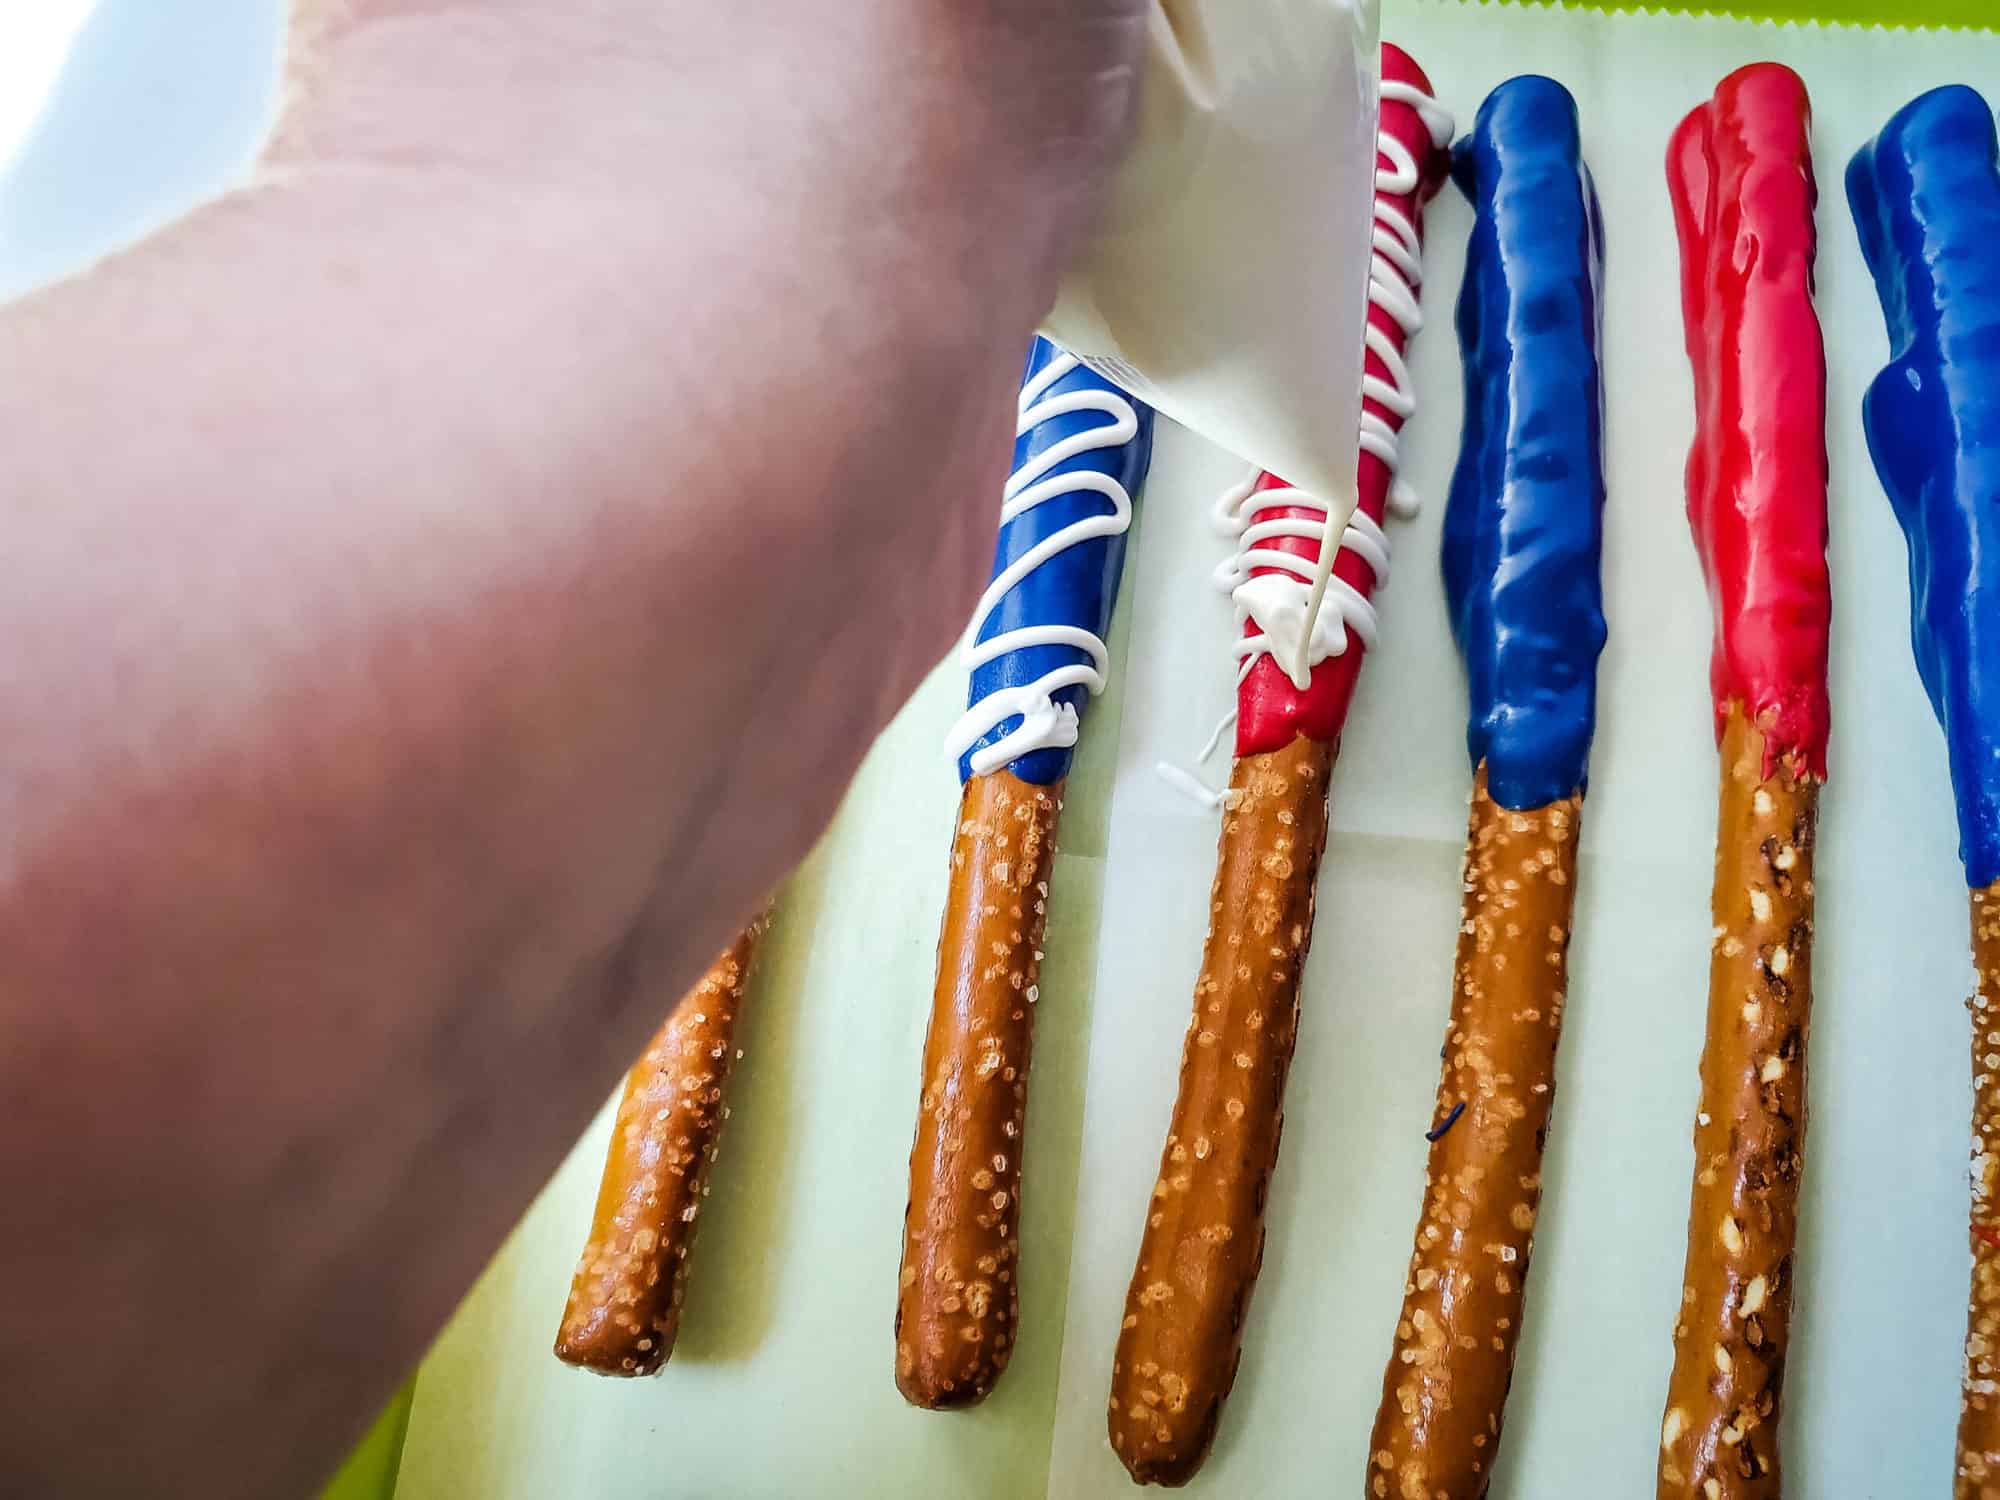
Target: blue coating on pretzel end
[1523,529]
[1925,194]
[1076,587]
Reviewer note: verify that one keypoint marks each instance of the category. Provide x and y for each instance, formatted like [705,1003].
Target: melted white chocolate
[1302,613]
[1045,724]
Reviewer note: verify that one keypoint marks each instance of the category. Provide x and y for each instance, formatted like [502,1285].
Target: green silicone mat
[1978,15]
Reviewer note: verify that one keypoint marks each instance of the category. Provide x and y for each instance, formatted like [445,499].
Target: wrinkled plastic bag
[1228,283]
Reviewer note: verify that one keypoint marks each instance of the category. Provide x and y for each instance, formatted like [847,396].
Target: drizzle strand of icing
[1280,610]
[1395,273]
[1035,646]
[1303,594]
[1272,588]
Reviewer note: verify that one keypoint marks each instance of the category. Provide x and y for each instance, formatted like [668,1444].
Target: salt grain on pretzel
[625,1301]
[1036,652]
[1740,171]
[1523,534]
[1202,1240]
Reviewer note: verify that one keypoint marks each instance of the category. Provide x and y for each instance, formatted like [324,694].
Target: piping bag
[1227,284]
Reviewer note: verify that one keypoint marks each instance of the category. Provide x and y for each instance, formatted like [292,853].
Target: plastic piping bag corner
[1228,283]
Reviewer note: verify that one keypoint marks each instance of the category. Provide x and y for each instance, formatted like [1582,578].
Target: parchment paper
[1259,114]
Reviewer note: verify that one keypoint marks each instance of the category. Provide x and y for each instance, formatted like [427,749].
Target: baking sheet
[783,1383]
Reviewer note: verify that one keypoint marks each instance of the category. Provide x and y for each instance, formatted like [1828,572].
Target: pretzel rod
[1439,1424]
[1740,171]
[1036,651]
[624,1306]
[1926,199]
[1720,1433]
[1522,541]
[1203,1240]
[956,1303]
[1978,1466]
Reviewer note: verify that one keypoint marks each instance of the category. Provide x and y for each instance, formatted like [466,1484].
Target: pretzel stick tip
[1203,1243]
[1719,1438]
[959,1287]
[1978,1468]
[1438,1428]
[624,1308]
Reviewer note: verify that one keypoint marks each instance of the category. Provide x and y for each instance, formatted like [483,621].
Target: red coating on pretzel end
[1270,710]
[1739,170]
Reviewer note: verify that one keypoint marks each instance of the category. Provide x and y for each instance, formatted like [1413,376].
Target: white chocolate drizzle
[1394,276]
[1045,724]
[1289,607]
[1279,603]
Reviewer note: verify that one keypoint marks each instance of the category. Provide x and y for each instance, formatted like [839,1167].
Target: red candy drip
[1270,710]
[1740,172]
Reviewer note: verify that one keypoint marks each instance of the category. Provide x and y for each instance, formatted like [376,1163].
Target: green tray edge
[370,1470]
[1901,15]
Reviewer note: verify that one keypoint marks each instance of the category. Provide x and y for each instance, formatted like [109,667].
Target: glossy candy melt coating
[1270,710]
[1739,170]
[1077,586]
[1524,526]
[1926,200]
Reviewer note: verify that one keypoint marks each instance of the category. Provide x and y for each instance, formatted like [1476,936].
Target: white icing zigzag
[1045,724]
[1289,607]
[1282,603]
[1394,275]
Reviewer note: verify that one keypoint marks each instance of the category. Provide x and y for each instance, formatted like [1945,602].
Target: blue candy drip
[1523,528]
[1926,199]
[1078,586]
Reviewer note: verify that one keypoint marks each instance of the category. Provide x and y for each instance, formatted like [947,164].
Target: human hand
[464,595]
[981,127]
[935,161]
